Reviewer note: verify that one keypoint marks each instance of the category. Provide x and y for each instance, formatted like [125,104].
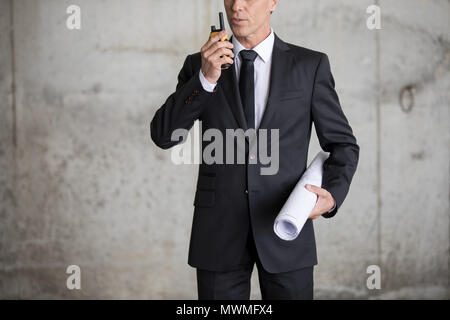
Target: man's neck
[254,39]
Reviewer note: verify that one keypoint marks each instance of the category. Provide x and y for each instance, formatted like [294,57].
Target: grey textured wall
[82,183]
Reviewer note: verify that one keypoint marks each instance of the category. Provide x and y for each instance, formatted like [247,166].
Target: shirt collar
[264,49]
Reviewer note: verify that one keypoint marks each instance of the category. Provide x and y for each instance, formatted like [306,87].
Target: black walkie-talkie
[214,31]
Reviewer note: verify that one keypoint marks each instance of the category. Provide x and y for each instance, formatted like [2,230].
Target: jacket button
[246,191]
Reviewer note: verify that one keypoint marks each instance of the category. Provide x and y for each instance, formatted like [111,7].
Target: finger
[227,60]
[221,52]
[317,190]
[222,60]
[219,58]
[216,46]
[313,216]
[214,39]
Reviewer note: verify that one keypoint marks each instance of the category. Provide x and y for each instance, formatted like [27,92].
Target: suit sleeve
[335,136]
[181,108]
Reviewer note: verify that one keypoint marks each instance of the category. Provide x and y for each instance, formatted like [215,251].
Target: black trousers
[235,285]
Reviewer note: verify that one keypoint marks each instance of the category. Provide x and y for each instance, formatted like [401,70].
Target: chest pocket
[291,94]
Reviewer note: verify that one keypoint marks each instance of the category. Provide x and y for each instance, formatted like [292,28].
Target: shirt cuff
[205,83]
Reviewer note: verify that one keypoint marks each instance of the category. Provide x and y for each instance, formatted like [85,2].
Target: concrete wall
[82,183]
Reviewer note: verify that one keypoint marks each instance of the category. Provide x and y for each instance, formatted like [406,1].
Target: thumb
[312,188]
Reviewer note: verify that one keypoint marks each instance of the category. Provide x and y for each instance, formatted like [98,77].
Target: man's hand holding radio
[215,53]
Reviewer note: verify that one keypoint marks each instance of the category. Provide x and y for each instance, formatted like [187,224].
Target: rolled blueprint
[300,203]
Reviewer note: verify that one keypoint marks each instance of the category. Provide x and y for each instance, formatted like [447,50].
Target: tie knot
[249,55]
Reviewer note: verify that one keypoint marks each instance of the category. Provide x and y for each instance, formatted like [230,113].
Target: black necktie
[247,85]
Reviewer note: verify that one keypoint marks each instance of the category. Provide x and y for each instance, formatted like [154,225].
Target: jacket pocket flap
[291,94]
[204,198]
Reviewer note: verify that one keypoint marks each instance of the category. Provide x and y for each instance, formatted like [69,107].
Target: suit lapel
[279,70]
[228,81]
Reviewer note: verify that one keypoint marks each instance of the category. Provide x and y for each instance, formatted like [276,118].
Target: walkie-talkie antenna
[222,25]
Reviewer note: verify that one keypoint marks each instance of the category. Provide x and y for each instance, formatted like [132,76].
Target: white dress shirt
[262,67]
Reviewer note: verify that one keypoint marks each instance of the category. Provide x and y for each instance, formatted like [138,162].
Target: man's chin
[239,32]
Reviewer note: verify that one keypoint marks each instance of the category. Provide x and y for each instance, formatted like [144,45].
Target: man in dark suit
[271,84]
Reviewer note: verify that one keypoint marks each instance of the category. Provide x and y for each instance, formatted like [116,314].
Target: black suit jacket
[231,197]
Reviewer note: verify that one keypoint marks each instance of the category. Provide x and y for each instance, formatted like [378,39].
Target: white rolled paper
[300,203]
